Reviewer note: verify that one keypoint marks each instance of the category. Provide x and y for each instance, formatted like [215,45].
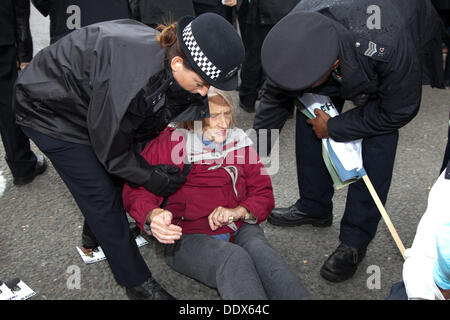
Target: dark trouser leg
[361,215]
[447,61]
[100,201]
[218,264]
[220,9]
[252,75]
[314,181]
[19,157]
[278,280]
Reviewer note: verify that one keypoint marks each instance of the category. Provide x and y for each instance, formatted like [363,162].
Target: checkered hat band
[197,54]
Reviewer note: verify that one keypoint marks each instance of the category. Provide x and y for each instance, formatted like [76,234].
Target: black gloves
[165,180]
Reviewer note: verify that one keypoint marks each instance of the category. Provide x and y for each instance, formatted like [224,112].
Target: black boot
[41,166]
[291,217]
[342,263]
[89,240]
[134,230]
[149,290]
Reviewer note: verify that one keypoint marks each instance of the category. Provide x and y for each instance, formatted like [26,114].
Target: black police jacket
[68,15]
[15,27]
[105,85]
[385,83]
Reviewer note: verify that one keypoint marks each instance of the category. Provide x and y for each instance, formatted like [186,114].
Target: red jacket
[204,189]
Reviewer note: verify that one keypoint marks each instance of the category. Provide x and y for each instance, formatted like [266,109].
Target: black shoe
[149,290]
[342,263]
[89,241]
[249,109]
[41,165]
[134,230]
[291,217]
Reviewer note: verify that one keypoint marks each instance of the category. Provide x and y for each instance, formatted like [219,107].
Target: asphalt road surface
[40,224]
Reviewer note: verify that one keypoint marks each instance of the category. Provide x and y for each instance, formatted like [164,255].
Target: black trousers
[19,157]
[252,75]
[219,9]
[100,200]
[361,216]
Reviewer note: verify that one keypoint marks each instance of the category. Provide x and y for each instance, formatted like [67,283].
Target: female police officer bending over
[94,97]
[211,223]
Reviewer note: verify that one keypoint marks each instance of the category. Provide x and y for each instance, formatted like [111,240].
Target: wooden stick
[384,214]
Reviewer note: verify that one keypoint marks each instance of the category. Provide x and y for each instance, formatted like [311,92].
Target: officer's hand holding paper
[319,123]
[342,159]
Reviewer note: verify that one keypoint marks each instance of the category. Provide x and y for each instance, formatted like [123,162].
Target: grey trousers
[248,269]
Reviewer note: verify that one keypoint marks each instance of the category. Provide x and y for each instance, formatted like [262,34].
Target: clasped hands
[319,123]
[165,232]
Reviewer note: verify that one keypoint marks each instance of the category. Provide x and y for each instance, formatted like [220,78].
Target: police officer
[69,15]
[93,99]
[16,50]
[337,49]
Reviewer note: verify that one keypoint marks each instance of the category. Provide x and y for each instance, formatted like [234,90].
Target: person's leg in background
[23,163]
[253,34]
[251,72]
[200,8]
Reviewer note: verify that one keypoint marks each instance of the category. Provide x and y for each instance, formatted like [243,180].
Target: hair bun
[168,34]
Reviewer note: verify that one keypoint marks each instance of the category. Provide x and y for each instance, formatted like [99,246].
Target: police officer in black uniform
[67,16]
[343,50]
[16,50]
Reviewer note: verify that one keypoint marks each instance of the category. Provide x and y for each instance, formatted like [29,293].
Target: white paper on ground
[6,293]
[99,255]
[2,183]
[21,291]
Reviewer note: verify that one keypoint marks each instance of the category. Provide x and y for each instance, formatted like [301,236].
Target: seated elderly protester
[212,223]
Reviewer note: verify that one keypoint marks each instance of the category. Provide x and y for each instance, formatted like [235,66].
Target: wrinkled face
[188,79]
[215,127]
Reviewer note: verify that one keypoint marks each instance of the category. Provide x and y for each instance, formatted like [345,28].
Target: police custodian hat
[300,50]
[213,48]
